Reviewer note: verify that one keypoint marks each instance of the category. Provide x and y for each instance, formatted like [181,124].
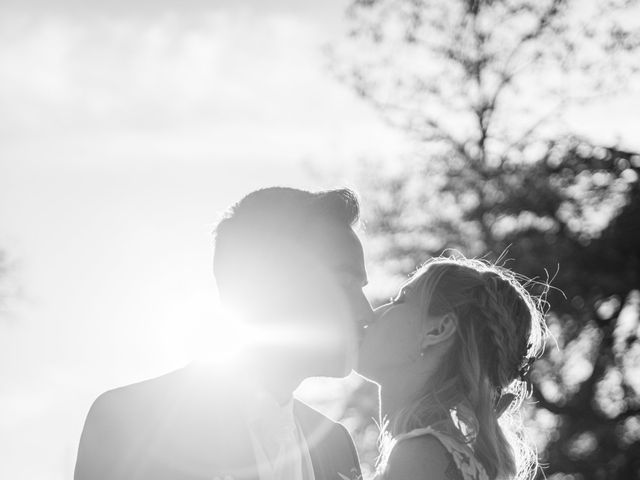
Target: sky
[124,134]
[125,131]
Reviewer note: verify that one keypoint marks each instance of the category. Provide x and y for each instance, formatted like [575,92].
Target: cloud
[223,80]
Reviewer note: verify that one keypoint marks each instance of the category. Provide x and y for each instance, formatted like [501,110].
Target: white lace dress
[468,466]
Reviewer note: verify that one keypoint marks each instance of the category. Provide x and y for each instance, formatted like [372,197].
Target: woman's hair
[500,330]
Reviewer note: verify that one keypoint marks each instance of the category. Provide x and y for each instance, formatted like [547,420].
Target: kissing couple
[450,353]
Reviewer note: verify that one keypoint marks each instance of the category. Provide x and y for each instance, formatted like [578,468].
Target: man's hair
[265,226]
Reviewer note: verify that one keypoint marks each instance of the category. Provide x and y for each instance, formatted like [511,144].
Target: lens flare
[230,337]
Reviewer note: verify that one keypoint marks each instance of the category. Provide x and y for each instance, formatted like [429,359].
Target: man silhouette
[289,265]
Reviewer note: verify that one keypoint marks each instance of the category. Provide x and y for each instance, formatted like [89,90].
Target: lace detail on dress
[468,466]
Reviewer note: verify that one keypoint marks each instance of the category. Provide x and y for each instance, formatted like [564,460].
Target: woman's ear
[439,329]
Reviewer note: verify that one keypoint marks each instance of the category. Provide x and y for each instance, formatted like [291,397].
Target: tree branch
[533,127]
[543,22]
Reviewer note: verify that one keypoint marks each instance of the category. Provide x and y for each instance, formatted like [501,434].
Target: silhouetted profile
[289,265]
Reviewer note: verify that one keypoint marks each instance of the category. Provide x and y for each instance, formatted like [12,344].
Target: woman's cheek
[391,345]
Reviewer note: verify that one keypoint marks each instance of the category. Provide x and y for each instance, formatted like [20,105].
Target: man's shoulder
[132,402]
[141,392]
[185,389]
[176,417]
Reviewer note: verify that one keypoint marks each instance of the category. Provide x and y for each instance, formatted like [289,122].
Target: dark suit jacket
[185,426]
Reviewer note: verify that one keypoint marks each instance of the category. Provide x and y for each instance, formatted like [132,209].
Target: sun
[223,339]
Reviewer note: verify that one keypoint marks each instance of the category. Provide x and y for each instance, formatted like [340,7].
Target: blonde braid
[501,305]
[508,325]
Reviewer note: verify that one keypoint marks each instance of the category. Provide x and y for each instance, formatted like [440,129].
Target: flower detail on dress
[468,466]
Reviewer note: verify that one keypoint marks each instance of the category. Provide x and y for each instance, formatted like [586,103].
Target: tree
[480,78]
[473,83]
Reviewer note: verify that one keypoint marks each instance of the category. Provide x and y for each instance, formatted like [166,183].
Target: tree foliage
[481,86]
[482,77]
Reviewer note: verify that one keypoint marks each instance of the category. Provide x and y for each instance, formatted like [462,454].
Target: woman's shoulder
[412,457]
[428,453]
